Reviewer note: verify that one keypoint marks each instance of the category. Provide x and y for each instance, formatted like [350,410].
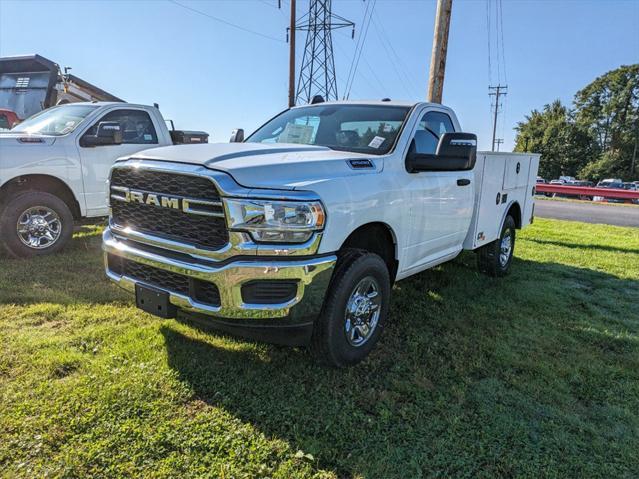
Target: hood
[260,165]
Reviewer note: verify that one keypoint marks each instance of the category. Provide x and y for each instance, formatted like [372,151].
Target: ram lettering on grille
[182,208]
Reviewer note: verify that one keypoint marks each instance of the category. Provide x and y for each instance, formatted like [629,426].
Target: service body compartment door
[516,173]
[490,206]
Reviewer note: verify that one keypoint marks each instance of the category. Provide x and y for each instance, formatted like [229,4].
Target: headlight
[275,221]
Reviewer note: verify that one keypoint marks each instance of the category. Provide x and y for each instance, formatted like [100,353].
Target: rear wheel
[354,311]
[494,259]
[34,224]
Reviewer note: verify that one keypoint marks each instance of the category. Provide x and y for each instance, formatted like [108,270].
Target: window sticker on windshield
[376,142]
[387,128]
[147,137]
[296,134]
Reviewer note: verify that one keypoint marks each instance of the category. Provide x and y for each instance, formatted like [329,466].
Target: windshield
[55,121]
[368,129]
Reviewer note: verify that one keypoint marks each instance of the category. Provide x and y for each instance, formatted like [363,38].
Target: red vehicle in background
[8,119]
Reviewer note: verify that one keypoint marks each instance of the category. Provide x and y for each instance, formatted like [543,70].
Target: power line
[364,77]
[220,20]
[501,28]
[359,55]
[269,4]
[496,44]
[359,40]
[394,58]
[490,69]
[390,57]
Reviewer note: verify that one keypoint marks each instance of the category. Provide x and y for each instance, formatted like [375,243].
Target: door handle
[463,182]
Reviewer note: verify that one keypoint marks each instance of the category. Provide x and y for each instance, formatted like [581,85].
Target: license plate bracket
[154,301]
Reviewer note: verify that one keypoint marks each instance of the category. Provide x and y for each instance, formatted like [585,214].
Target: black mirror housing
[107,133]
[237,136]
[455,152]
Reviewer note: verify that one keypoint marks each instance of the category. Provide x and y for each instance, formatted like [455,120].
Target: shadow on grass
[599,247]
[472,377]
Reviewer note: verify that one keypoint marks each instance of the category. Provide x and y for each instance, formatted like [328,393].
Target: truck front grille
[200,291]
[202,231]
[167,183]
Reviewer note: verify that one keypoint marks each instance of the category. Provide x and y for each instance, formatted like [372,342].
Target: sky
[208,75]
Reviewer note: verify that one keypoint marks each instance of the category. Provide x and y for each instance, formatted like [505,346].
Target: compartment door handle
[463,182]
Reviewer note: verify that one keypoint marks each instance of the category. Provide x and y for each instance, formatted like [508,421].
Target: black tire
[489,259]
[9,238]
[330,343]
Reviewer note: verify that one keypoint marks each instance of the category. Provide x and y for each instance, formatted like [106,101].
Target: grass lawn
[534,375]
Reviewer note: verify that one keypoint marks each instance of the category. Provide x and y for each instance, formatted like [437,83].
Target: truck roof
[377,102]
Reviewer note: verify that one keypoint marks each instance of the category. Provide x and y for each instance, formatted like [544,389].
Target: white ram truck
[55,165]
[296,234]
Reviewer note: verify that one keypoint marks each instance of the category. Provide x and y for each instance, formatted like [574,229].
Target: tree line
[597,138]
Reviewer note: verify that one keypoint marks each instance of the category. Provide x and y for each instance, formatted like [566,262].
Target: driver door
[138,133]
[440,204]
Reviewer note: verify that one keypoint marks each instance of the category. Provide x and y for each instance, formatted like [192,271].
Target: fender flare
[506,211]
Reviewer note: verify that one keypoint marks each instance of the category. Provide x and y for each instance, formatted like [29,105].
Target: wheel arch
[45,183]
[378,238]
[514,210]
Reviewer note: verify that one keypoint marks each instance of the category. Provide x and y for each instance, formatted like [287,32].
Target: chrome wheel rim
[363,309]
[39,227]
[506,248]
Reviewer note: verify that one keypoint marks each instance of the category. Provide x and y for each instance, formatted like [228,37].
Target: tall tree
[564,147]
[599,138]
[608,109]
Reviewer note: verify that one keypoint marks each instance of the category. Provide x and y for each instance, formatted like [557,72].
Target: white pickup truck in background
[297,234]
[54,168]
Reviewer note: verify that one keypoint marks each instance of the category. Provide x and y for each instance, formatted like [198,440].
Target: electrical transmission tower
[497,91]
[317,74]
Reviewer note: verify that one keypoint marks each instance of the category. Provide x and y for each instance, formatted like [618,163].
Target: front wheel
[35,223]
[354,311]
[494,259]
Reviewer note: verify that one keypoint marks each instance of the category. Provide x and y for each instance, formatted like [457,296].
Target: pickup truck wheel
[494,259]
[34,224]
[354,311]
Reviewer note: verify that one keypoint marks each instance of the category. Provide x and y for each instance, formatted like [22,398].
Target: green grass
[534,375]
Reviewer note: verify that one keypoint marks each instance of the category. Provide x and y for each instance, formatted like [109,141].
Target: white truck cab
[297,233]
[54,168]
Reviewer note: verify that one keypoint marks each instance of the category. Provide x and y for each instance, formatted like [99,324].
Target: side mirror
[108,133]
[237,136]
[455,152]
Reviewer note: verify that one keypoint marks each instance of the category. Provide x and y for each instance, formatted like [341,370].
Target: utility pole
[496,91]
[291,57]
[440,47]
[499,141]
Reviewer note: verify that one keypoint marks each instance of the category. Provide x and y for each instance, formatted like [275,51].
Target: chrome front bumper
[311,273]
